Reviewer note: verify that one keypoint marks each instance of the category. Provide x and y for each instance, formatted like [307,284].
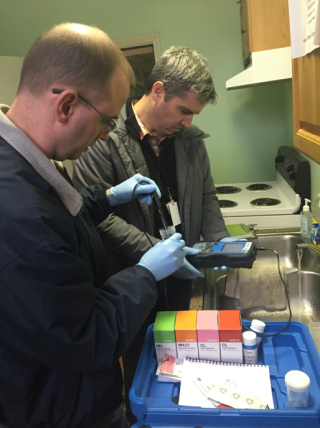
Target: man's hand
[123,192]
[165,257]
[187,271]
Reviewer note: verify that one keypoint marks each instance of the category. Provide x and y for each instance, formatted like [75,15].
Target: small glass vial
[166,233]
[297,388]
[258,327]
[250,347]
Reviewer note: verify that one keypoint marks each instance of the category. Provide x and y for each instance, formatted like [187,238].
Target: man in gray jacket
[155,137]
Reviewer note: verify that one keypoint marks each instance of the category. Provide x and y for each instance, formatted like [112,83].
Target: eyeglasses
[111,123]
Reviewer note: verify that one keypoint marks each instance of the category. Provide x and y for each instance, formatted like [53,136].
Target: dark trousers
[177,293]
[115,419]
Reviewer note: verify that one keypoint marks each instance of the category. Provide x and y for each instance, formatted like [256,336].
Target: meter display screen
[234,248]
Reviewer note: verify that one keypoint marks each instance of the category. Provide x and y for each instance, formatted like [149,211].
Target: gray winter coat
[111,162]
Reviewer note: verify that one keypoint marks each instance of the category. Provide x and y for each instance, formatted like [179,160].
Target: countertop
[273,231]
[196,301]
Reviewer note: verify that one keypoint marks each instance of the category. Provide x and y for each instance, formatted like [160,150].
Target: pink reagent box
[208,335]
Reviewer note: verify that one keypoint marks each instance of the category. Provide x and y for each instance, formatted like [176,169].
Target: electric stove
[269,204]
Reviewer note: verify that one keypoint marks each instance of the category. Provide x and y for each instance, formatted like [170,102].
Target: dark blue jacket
[62,329]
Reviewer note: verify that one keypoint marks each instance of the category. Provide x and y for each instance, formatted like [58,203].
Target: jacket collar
[129,124]
[22,144]
[130,119]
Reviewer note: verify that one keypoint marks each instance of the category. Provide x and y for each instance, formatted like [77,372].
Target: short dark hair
[75,55]
[180,70]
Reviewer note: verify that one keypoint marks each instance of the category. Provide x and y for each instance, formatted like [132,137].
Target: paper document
[304,17]
[242,378]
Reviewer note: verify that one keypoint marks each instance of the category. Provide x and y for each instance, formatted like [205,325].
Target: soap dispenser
[306,220]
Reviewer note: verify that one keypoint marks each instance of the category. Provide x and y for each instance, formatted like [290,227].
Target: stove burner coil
[258,186]
[223,190]
[265,202]
[227,204]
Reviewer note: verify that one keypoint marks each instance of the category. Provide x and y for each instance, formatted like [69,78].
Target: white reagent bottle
[258,327]
[250,347]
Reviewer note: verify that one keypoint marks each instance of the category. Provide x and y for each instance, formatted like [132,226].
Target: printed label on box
[231,352]
[187,350]
[165,348]
[210,351]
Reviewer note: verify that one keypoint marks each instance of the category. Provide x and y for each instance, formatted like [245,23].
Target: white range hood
[266,67]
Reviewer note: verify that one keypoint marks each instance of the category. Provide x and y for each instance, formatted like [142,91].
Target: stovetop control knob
[290,168]
[279,159]
[292,175]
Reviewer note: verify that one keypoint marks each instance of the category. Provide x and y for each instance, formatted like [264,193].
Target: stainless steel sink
[304,299]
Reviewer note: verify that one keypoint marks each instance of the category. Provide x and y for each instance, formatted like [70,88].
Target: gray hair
[180,70]
[75,55]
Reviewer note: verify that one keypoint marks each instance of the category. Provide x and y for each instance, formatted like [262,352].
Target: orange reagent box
[230,336]
[186,334]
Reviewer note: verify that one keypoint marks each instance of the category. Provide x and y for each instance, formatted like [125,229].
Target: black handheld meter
[237,254]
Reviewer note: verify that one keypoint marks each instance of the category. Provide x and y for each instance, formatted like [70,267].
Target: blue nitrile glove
[187,271]
[165,257]
[123,192]
[227,239]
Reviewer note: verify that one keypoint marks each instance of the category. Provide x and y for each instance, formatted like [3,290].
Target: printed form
[304,26]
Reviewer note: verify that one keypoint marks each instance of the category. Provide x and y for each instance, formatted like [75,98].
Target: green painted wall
[246,125]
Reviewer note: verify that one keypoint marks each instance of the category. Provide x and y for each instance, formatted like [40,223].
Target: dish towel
[245,285]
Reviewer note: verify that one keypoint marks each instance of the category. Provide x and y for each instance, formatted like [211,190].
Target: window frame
[135,42]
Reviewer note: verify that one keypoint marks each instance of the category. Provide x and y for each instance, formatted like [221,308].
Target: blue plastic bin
[153,402]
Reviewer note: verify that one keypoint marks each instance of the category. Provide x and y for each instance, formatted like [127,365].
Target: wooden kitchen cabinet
[264,26]
[306,104]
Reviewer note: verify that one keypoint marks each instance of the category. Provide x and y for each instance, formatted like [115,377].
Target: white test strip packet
[225,394]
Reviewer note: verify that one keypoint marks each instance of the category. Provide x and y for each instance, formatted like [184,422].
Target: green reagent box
[164,335]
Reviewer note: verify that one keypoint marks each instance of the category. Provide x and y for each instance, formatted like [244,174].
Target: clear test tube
[166,233]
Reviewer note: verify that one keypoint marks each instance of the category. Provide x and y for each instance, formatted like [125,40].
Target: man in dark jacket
[63,328]
[155,137]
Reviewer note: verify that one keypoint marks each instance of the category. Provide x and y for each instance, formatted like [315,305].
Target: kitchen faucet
[309,246]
